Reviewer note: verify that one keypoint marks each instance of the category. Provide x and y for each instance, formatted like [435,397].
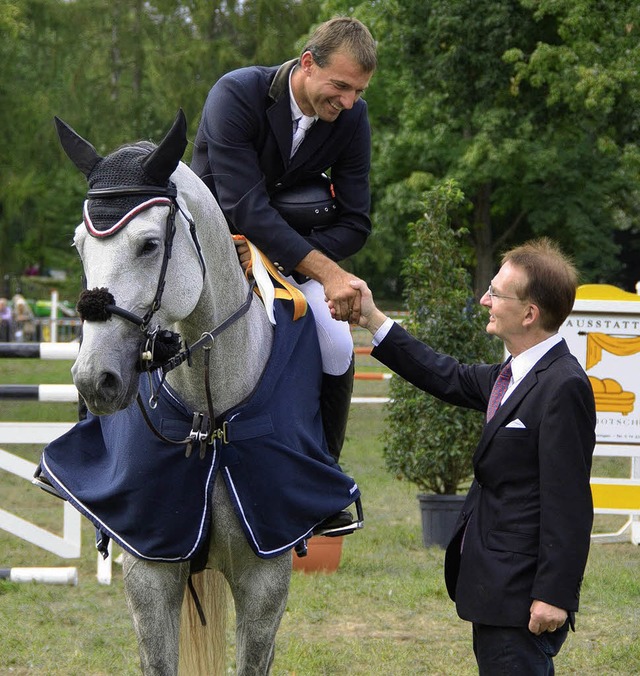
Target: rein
[202,431]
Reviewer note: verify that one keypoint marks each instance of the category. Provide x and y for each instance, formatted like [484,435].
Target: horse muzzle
[104,392]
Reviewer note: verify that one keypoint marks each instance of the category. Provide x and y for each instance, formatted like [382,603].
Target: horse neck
[239,354]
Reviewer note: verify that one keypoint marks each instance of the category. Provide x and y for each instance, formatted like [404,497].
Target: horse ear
[162,162]
[80,152]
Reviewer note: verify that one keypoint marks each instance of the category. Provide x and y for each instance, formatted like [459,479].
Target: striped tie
[304,123]
[499,388]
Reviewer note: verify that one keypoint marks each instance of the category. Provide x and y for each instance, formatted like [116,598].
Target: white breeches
[336,342]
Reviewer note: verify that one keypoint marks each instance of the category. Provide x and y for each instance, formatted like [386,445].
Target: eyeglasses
[493,295]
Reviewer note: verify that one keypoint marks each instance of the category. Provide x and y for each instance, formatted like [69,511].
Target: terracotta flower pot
[323,556]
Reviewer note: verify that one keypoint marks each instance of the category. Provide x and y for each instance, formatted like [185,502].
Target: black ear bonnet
[122,168]
[133,178]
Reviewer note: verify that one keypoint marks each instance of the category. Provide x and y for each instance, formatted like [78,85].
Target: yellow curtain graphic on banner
[622,347]
[608,393]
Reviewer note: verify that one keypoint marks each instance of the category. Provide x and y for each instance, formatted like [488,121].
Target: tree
[431,443]
[517,101]
[531,105]
[117,71]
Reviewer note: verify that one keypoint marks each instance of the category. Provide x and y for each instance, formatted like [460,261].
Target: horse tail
[203,648]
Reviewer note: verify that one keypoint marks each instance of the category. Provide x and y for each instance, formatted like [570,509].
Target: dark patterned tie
[499,388]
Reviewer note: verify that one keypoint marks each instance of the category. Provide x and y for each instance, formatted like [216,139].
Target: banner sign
[603,332]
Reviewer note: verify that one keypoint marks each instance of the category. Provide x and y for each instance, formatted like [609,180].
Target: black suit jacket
[242,150]
[527,518]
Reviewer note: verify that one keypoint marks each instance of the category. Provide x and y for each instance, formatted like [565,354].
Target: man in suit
[515,563]
[265,130]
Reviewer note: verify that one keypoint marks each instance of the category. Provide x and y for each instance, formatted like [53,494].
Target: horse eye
[149,247]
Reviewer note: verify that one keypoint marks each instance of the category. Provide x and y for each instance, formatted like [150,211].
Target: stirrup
[42,482]
[346,529]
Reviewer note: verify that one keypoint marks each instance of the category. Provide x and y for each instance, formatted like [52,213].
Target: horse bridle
[161,347]
[99,304]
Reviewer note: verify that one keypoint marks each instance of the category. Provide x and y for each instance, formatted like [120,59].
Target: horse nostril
[108,382]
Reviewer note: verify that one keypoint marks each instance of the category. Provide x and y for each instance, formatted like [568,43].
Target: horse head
[139,275]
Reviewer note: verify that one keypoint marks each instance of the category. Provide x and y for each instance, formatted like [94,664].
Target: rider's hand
[244,253]
[369,316]
[343,299]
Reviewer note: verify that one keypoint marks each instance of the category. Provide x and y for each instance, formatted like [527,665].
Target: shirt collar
[296,113]
[524,362]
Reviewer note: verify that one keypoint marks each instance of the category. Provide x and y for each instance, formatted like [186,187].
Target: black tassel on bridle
[159,346]
[95,305]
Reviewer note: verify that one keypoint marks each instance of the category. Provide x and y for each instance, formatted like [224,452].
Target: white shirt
[296,113]
[524,362]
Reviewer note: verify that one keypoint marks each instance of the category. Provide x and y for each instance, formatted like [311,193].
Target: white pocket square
[517,423]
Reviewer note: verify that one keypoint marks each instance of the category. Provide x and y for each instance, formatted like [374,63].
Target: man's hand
[369,316]
[243,251]
[342,297]
[545,617]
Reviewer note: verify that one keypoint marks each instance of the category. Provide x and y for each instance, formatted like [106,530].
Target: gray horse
[198,285]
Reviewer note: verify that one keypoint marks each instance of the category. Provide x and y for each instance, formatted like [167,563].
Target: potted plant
[431,443]
[323,555]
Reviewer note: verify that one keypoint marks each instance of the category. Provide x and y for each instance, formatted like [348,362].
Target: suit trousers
[515,651]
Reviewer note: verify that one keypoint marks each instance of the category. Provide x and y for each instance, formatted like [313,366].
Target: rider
[248,153]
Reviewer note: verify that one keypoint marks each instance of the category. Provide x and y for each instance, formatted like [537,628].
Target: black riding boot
[335,401]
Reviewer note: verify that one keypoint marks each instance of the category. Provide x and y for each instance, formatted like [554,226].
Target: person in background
[23,320]
[6,323]
[266,132]
[515,563]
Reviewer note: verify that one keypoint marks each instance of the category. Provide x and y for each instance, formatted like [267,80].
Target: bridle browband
[133,190]
[161,347]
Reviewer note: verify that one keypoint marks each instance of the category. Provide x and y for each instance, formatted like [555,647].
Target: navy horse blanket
[156,503]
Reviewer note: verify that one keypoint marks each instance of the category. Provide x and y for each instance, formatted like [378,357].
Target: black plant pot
[439,515]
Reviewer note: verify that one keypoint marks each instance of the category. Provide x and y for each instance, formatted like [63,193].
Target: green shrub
[431,443]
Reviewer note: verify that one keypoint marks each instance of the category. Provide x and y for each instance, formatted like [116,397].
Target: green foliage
[530,105]
[117,72]
[430,442]
[386,246]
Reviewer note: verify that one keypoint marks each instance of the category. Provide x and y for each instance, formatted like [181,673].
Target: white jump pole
[54,316]
[46,575]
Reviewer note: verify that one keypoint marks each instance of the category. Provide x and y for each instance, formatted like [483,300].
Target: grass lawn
[385,611]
